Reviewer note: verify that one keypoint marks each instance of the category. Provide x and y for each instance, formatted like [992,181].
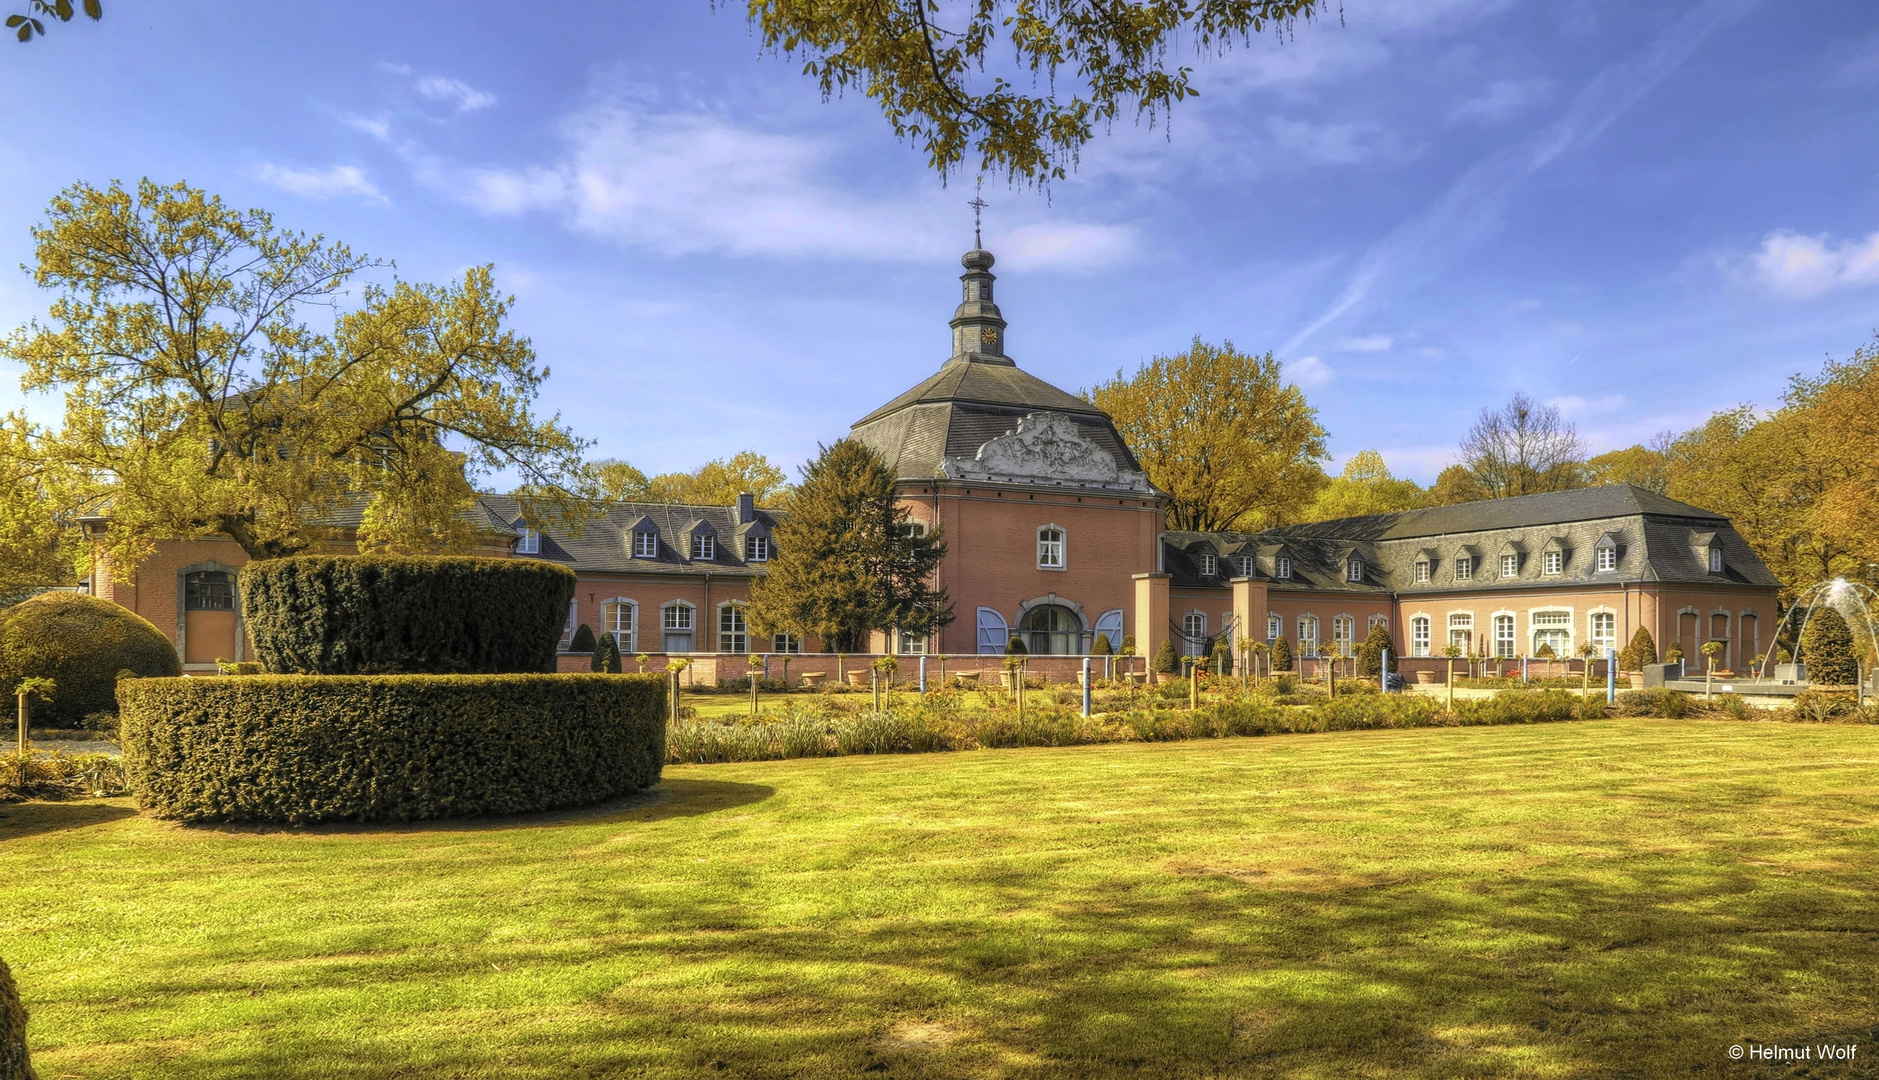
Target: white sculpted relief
[1046,446]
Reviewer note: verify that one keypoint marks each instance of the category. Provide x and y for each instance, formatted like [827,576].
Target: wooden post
[1451,684]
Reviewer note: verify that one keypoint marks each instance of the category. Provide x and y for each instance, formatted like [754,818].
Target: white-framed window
[1419,636]
[1510,565]
[1422,571]
[1274,627]
[1464,567]
[1373,621]
[1207,565]
[756,549]
[529,543]
[1715,560]
[913,529]
[1504,636]
[1551,628]
[911,644]
[1244,564]
[1602,631]
[1608,558]
[1343,632]
[1354,569]
[675,621]
[1282,568]
[994,633]
[1109,624]
[1552,562]
[704,547]
[1308,635]
[1461,630]
[733,635]
[646,545]
[617,617]
[1193,633]
[1050,545]
[785,643]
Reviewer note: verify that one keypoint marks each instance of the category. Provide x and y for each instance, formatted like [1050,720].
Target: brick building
[1055,534]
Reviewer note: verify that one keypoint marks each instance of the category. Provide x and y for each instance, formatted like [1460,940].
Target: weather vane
[977,204]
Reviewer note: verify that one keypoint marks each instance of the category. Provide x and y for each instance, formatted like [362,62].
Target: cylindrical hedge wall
[392,614]
[305,748]
[80,643]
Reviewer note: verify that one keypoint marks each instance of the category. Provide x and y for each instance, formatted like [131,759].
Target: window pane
[208,590]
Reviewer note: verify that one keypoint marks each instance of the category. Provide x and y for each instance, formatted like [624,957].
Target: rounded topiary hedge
[305,748]
[389,614]
[81,643]
[15,1062]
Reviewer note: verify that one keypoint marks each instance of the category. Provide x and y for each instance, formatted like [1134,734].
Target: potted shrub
[1165,663]
[1015,652]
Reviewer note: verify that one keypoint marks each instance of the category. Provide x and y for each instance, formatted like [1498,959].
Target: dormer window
[1423,571]
[1354,569]
[756,549]
[529,543]
[1464,567]
[704,547]
[1552,562]
[1607,558]
[646,545]
[1510,565]
[1207,567]
[1715,560]
[1244,564]
[1282,568]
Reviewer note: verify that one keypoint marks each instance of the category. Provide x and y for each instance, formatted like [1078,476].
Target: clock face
[990,337]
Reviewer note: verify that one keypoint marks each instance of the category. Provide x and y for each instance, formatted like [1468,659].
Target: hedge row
[81,643]
[377,615]
[295,748]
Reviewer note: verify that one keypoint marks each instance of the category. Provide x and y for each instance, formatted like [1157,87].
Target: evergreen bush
[1281,654]
[607,656]
[1674,654]
[583,640]
[1640,652]
[15,1062]
[1014,646]
[1166,662]
[1101,647]
[1827,650]
[296,748]
[394,614]
[82,644]
[1370,651]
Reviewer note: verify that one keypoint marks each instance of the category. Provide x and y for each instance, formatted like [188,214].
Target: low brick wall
[708,668]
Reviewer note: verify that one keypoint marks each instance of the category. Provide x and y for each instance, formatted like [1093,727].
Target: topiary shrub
[81,643]
[1281,654]
[1165,661]
[1640,652]
[1827,650]
[1370,652]
[15,1062]
[393,614]
[1014,646]
[297,748]
[583,640]
[1101,647]
[607,655]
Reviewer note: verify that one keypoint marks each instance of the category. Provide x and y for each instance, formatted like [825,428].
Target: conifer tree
[1281,654]
[1641,651]
[1166,663]
[1014,646]
[1370,651]
[1827,650]
[1101,647]
[607,655]
[583,639]
[846,562]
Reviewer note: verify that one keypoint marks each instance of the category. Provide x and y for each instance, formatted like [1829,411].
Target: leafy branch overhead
[26,26]
[925,65]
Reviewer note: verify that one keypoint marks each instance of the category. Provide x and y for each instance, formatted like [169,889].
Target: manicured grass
[1614,898]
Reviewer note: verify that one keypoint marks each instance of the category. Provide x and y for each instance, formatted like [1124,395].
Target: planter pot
[858,678]
[1163,677]
[814,678]
[1636,680]
[1425,678]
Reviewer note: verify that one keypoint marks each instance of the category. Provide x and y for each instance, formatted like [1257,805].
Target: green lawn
[1616,898]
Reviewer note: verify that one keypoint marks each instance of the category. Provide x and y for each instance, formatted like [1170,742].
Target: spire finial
[977,204]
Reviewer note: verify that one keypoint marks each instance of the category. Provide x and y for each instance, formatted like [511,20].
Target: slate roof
[1657,537]
[604,544]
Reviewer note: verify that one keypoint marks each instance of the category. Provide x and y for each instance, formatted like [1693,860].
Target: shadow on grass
[664,800]
[20,820]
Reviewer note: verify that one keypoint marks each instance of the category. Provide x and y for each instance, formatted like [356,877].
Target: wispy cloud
[1307,371]
[1574,406]
[1789,264]
[1371,343]
[1500,101]
[456,92]
[334,181]
[1329,144]
[1470,210]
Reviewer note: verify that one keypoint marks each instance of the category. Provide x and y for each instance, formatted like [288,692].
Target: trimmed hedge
[15,1063]
[394,614]
[80,643]
[297,748]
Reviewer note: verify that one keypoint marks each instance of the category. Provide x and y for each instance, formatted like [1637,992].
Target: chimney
[746,508]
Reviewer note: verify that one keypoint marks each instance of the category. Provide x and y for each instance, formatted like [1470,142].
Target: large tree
[38,543]
[1365,486]
[1523,448]
[199,403]
[846,561]
[1647,467]
[715,483]
[30,23]
[1219,430]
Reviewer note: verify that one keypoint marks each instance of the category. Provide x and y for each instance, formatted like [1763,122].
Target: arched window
[1051,630]
[1343,632]
[1274,627]
[1419,636]
[1603,628]
[733,635]
[1504,637]
[619,617]
[1308,635]
[675,620]
[1194,633]
[993,631]
[1109,625]
[1050,548]
[1461,631]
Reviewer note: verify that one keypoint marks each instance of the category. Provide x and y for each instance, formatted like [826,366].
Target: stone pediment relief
[1047,448]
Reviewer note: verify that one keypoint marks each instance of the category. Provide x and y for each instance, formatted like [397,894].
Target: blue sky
[1643,212]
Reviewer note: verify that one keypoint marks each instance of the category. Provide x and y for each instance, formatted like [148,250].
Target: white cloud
[695,182]
[1500,101]
[1574,406]
[1309,371]
[1371,343]
[330,182]
[1331,144]
[1789,264]
[465,97]
[379,127]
